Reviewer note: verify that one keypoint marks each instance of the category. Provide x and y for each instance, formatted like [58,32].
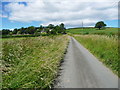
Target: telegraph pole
[82,24]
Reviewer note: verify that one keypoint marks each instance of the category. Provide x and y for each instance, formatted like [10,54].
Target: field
[103,47]
[32,62]
[107,31]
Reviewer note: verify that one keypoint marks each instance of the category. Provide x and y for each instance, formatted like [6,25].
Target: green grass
[18,36]
[32,62]
[107,31]
[8,39]
[103,47]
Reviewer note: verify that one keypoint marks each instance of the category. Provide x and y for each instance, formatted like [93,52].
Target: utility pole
[82,24]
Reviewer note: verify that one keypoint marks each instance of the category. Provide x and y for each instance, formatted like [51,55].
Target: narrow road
[81,69]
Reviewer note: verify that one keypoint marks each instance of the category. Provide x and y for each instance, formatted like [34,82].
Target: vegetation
[5,32]
[16,36]
[104,47]
[32,62]
[102,43]
[107,31]
[100,25]
[35,31]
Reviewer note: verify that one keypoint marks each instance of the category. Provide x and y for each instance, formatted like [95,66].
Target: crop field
[32,62]
[103,47]
[107,31]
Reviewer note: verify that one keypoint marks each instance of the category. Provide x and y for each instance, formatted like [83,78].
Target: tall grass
[32,62]
[104,47]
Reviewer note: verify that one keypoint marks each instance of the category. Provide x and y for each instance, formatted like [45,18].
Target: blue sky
[38,12]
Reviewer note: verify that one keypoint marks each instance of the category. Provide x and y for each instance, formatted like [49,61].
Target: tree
[62,27]
[51,26]
[19,32]
[25,31]
[58,29]
[31,30]
[15,31]
[5,31]
[53,32]
[41,27]
[22,30]
[100,24]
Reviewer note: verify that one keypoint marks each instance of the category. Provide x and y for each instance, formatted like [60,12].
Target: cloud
[3,16]
[70,12]
[61,0]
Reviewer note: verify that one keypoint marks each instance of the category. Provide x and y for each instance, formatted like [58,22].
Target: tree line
[50,29]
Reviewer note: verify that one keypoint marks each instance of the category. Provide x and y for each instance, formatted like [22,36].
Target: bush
[84,33]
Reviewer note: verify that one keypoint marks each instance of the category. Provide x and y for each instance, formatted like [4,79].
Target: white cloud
[68,11]
[3,16]
[61,0]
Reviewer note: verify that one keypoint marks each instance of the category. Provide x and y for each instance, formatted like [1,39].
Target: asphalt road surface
[81,69]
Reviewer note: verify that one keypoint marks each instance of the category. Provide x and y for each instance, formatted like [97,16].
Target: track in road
[81,69]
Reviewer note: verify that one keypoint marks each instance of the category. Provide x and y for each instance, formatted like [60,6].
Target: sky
[24,13]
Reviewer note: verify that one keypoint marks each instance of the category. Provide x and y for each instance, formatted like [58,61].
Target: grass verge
[103,47]
[32,62]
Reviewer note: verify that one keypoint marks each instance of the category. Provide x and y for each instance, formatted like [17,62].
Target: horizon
[66,28]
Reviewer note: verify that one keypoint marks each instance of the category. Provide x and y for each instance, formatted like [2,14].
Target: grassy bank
[19,36]
[32,62]
[103,47]
[107,31]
